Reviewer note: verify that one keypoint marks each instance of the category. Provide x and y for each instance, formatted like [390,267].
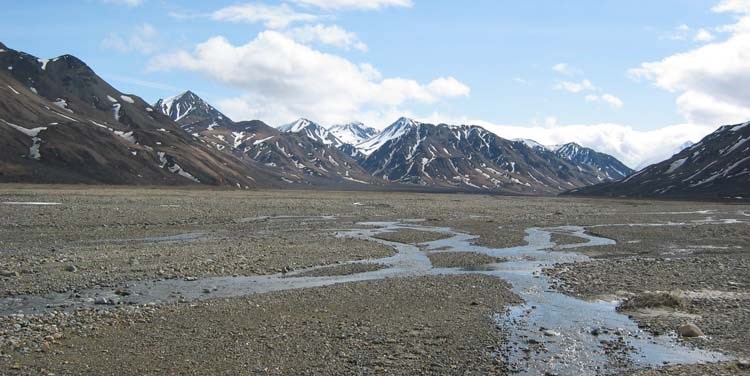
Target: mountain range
[62,123]
[407,153]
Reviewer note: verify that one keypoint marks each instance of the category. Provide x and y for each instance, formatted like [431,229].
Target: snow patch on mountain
[36,141]
[530,143]
[313,131]
[398,129]
[353,133]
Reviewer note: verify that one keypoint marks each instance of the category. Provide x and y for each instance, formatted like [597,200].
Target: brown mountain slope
[716,167]
[61,123]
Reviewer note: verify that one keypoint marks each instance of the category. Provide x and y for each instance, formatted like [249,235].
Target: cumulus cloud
[272,16]
[355,4]
[584,86]
[575,87]
[143,38]
[613,100]
[606,98]
[565,69]
[713,81]
[332,35]
[733,6]
[283,79]
[704,35]
[448,87]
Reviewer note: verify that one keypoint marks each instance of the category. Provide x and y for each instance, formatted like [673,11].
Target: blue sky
[508,65]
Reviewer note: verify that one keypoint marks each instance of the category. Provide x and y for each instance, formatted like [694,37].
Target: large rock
[690,331]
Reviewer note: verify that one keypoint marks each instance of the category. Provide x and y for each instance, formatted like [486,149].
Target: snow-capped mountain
[304,154]
[398,129]
[530,143]
[612,168]
[469,158]
[716,167]
[353,133]
[313,131]
[318,133]
[192,113]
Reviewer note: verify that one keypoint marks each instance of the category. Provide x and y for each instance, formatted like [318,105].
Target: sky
[636,79]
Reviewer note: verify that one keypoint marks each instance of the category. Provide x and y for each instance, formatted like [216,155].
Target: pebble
[551,333]
[71,268]
[8,273]
[101,301]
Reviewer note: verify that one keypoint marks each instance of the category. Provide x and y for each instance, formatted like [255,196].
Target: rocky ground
[724,369]
[104,236]
[461,259]
[673,276]
[333,330]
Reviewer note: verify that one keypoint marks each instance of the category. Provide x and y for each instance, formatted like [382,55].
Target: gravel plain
[106,236]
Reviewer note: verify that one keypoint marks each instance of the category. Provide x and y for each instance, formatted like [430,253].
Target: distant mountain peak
[605,163]
[353,133]
[313,131]
[530,143]
[406,122]
[299,125]
[569,149]
[401,127]
[191,111]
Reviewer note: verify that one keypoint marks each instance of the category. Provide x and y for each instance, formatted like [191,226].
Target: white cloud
[565,69]
[594,93]
[449,87]
[713,81]
[332,35]
[355,4]
[272,16]
[575,87]
[733,6]
[283,79]
[613,100]
[704,35]
[130,3]
[143,38]
[521,81]
[606,98]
